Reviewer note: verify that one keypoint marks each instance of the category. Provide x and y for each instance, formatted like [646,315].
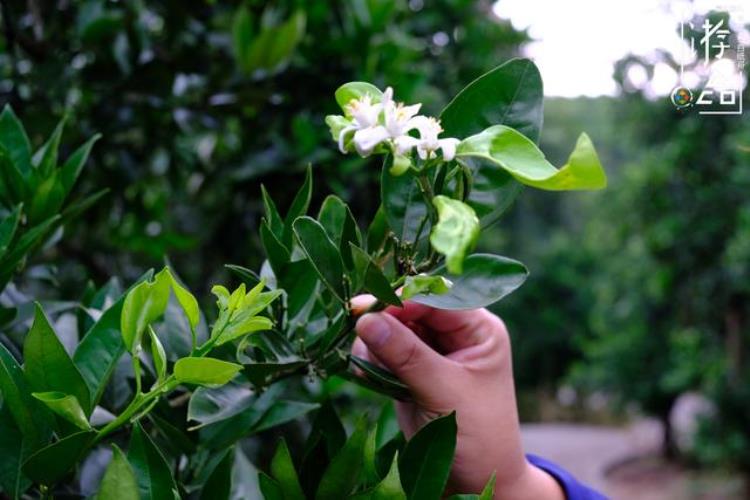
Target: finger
[402,352]
[361,303]
[449,330]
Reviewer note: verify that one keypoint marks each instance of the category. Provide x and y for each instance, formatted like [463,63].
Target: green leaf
[382,380]
[403,204]
[13,185]
[282,470]
[72,167]
[322,254]
[277,254]
[343,472]
[388,489]
[13,449]
[338,221]
[28,240]
[28,413]
[485,280]
[48,367]
[373,279]
[285,41]
[119,479]
[65,405]
[52,463]
[13,137]
[45,160]
[187,301]
[211,405]
[355,90]
[510,94]
[102,346]
[281,412]
[488,493]
[143,305]
[270,488]
[47,199]
[299,207]
[424,284]
[426,460]
[8,226]
[242,328]
[273,218]
[154,477]
[518,155]
[158,355]
[218,486]
[205,371]
[456,232]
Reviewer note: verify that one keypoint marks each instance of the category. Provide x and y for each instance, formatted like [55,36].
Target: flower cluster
[371,121]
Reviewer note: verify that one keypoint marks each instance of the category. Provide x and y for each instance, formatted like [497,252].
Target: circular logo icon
[681,97]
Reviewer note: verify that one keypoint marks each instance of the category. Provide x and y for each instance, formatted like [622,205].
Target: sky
[577,42]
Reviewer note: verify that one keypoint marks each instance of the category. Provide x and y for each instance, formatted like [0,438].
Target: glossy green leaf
[13,186]
[72,167]
[272,216]
[281,412]
[456,232]
[510,94]
[380,380]
[485,280]
[518,155]
[65,405]
[187,301]
[355,90]
[45,160]
[158,355]
[119,479]
[8,226]
[403,204]
[13,137]
[48,367]
[28,413]
[47,199]
[323,255]
[143,304]
[343,472]
[152,472]
[13,449]
[372,277]
[488,493]
[50,464]
[426,461]
[277,254]
[205,371]
[102,346]
[282,470]
[338,221]
[389,488]
[299,207]
[218,486]
[270,488]
[424,284]
[211,405]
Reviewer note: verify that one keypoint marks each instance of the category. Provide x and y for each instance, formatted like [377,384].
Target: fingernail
[373,329]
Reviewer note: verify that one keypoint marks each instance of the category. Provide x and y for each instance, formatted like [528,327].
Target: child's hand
[457,360]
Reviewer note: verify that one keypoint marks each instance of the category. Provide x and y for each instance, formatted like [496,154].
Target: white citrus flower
[429,129]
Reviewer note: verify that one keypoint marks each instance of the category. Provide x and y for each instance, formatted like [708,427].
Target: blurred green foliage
[199,103]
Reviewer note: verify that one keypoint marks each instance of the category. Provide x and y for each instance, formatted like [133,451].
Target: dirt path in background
[588,451]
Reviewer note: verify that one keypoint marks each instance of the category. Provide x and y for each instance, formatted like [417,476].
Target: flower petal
[366,139]
[448,146]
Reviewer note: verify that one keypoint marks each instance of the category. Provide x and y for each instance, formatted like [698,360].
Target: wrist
[532,484]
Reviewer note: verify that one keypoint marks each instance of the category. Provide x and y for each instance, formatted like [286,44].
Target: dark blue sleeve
[572,488]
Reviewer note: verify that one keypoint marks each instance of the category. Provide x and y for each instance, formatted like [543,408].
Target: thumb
[401,351]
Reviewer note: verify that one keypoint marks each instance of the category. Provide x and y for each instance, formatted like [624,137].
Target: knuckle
[408,359]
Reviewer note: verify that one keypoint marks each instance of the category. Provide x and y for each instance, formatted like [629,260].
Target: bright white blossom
[387,121]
